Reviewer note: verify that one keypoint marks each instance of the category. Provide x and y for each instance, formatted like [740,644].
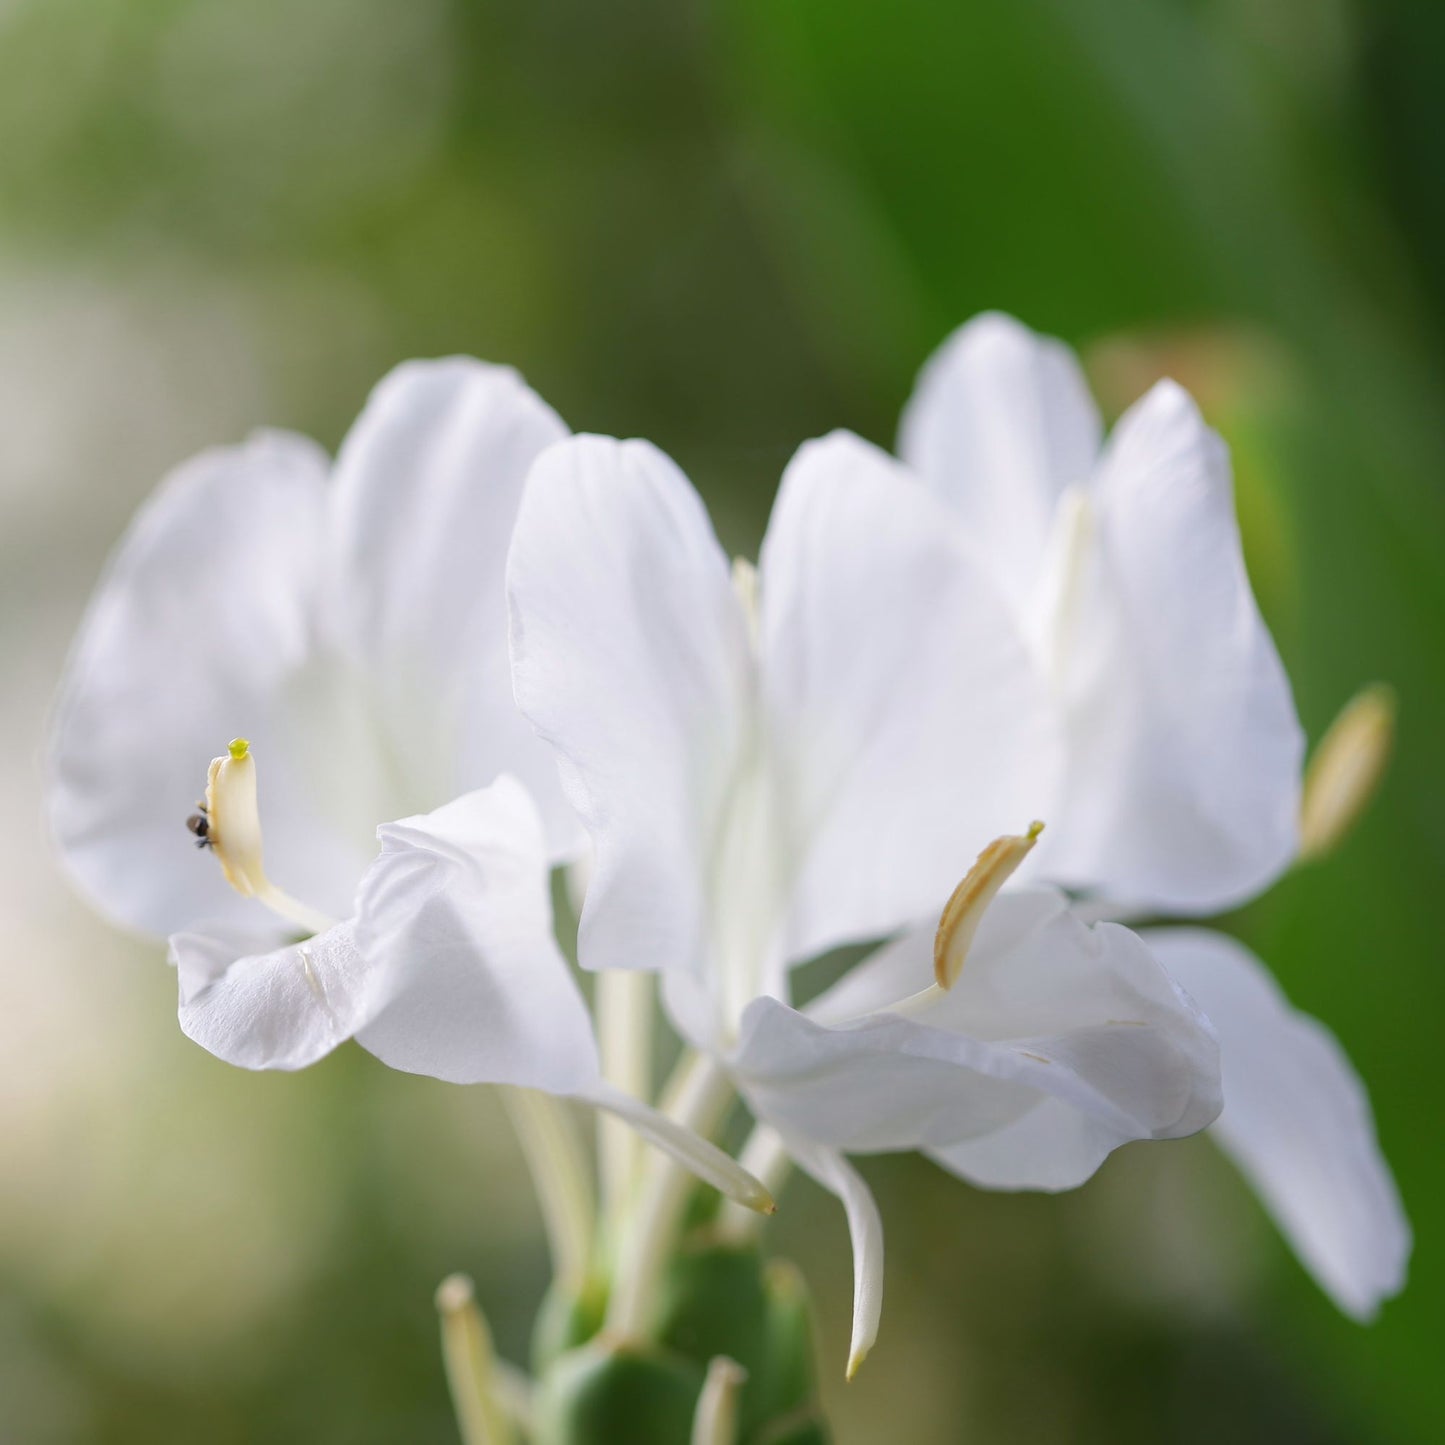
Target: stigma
[229,824]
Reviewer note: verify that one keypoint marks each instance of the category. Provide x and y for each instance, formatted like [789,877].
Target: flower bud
[1345,771]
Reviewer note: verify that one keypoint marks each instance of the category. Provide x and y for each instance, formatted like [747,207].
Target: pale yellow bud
[716,1420]
[1345,770]
[470,1365]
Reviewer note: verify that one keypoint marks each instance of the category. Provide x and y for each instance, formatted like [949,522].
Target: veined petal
[1000,423]
[1297,1121]
[1185,770]
[865,1229]
[1048,1013]
[269,1008]
[630,655]
[194,635]
[908,721]
[428,482]
[455,921]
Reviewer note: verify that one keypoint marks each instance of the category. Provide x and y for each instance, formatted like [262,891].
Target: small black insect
[200,825]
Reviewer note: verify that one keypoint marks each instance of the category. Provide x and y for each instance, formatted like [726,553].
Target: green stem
[625,1006]
[697,1096]
[561,1177]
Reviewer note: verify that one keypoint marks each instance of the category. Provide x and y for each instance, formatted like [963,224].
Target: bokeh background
[726,227]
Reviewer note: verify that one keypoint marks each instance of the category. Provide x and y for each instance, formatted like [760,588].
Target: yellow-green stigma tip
[1035,828]
[238,748]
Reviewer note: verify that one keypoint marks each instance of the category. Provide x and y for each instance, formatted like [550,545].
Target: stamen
[745,585]
[964,910]
[231,826]
[1346,769]
[1070,546]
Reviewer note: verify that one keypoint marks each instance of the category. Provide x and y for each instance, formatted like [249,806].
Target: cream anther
[233,832]
[966,906]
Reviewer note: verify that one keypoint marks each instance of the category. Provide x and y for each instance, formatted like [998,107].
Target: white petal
[428,482]
[1297,1121]
[908,718]
[1048,1014]
[700,1156]
[455,920]
[283,1008]
[1000,423]
[1187,750]
[865,1229]
[630,656]
[197,630]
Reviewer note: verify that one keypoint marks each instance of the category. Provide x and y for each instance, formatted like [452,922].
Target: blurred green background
[726,228]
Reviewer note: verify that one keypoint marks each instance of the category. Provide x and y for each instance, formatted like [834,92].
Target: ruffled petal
[630,656]
[1297,1121]
[428,482]
[1000,423]
[907,718]
[1184,773]
[198,629]
[1049,1012]
[269,1008]
[455,921]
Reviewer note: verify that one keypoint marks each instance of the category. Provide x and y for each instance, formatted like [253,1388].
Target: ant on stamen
[200,825]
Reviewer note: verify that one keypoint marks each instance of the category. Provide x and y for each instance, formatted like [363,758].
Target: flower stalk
[625,1010]
[560,1176]
[697,1096]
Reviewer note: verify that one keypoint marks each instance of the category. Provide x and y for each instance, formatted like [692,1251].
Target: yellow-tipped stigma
[233,833]
[1345,770]
[966,906]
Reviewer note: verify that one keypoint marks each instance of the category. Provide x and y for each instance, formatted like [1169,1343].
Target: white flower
[1122,563]
[350,622]
[1181,795]
[770,765]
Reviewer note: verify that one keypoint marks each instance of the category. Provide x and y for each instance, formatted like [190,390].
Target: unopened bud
[470,1366]
[716,1421]
[1345,771]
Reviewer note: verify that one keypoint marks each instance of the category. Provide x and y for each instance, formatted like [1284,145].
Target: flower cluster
[475,648]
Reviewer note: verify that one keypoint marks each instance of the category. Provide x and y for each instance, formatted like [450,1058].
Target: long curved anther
[966,905]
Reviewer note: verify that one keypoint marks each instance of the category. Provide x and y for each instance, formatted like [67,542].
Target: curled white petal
[1051,1019]
[865,1229]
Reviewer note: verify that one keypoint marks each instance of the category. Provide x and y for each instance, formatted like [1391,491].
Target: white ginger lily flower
[1122,563]
[351,622]
[773,764]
